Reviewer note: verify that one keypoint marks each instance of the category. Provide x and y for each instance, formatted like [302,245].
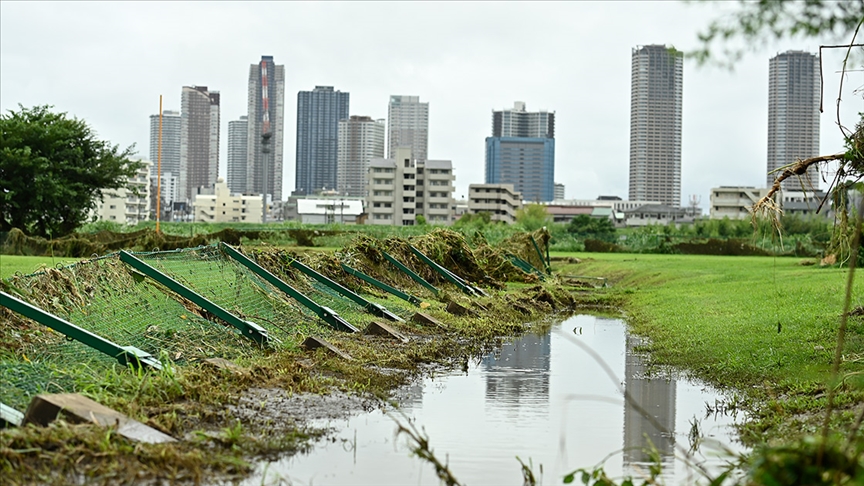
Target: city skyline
[459,61]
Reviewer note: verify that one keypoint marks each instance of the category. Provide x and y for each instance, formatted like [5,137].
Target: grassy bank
[25,265]
[762,327]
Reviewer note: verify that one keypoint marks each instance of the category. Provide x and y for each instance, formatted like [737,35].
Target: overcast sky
[108,63]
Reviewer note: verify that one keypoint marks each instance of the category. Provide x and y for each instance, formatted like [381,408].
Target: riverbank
[227,416]
[762,328]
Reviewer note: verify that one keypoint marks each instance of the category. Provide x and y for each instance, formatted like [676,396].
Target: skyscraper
[521,151]
[318,115]
[238,135]
[361,139]
[409,126]
[793,116]
[199,140]
[655,124]
[265,111]
[170,150]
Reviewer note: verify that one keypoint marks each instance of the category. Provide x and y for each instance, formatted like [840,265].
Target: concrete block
[77,409]
[313,342]
[459,310]
[376,328]
[427,320]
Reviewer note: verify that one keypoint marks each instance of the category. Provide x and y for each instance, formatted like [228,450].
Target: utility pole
[265,151]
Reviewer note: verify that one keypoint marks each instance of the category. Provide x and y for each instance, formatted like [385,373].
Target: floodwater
[541,398]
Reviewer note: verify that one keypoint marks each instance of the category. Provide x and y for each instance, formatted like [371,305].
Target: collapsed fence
[62,328]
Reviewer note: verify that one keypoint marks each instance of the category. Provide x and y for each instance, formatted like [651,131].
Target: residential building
[329,209]
[734,202]
[124,205]
[361,139]
[401,188]
[265,112]
[793,116]
[409,126]
[501,201]
[805,204]
[521,151]
[217,204]
[238,138]
[318,115]
[558,192]
[170,154]
[660,214]
[657,74]
[614,202]
[199,140]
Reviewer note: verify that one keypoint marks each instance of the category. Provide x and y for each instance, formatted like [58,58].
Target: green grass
[12,264]
[763,326]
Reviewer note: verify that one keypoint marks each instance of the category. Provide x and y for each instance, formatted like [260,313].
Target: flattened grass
[764,326]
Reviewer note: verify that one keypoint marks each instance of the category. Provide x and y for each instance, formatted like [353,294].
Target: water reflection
[518,374]
[540,398]
[656,398]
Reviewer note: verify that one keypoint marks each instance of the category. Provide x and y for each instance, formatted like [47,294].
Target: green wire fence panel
[407,271]
[126,355]
[526,267]
[381,285]
[9,417]
[236,289]
[371,307]
[451,277]
[247,329]
[106,298]
[326,314]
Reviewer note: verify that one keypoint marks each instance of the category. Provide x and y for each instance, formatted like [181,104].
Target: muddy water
[541,398]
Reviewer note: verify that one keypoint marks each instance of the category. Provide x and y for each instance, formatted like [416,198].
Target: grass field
[763,326]
[12,264]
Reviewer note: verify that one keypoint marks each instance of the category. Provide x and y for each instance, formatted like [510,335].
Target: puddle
[541,398]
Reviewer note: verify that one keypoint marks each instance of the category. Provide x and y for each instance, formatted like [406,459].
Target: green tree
[480,220]
[598,228]
[754,23]
[52,169]
[533,217]
[421,220]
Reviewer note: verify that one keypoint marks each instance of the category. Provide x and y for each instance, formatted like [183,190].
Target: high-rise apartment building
[170,142]
[521,151]
[318,115]
[361,139]
[409,126]
[265,114]
[238,136]
[170,157]
[657,74]
[199,140]
[793,116]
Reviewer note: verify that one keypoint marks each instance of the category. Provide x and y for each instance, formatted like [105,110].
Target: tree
[533,217]
[52,169]
[755,23]
[597,228]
